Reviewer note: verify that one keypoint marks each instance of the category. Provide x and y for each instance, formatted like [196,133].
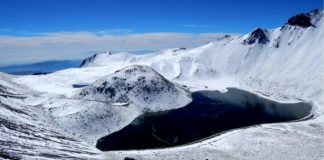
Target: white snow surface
[92,112]
[288,68]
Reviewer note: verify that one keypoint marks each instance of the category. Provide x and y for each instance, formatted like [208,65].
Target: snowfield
[113,101]
[45,117]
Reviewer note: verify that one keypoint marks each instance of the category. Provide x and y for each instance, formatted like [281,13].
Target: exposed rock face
[301,20]
[2,89]
[87,60]
[178,49]
[257,36]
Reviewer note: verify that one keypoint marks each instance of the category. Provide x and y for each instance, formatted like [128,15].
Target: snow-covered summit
[256,36]
[97,58]
[94,56]
[139,85]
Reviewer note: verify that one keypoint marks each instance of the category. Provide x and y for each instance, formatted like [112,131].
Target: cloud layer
[77,45]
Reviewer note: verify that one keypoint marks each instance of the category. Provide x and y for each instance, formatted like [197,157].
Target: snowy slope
[289,57]
[284,64]
[113,101]
[8,87]
[26,132]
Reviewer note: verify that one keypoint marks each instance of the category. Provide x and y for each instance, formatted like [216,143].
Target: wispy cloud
[76,45]
[194,25]
[111,31]
[31,33]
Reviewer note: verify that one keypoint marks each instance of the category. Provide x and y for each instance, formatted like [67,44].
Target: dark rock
[3,89]
[91,58]
[226,36]
[276,43]
[314,12]
[5,155]
[257,36]
[300,20]
[87,60]
[179,49]
[111,91]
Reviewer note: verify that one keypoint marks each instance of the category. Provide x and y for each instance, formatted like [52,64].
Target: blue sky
[49,21]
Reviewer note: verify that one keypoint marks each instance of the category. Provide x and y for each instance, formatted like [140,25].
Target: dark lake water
[210,113]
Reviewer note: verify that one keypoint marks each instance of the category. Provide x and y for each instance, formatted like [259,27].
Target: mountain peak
[256,36]
[137,84]
[305,20]
[301,20]
[314,12]
[91,58]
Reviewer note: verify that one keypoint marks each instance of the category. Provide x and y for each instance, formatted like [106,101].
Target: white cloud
[119,30]
[77,45]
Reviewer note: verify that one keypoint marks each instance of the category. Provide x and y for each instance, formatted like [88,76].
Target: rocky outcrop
[256,36]
[301,20]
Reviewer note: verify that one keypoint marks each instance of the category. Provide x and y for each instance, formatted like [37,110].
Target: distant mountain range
[40,67]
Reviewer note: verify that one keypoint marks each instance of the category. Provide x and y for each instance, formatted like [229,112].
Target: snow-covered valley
[45,117]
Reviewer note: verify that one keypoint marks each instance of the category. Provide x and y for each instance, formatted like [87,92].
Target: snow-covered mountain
[139,85]
[289,56]
[283,64]
[114,101]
